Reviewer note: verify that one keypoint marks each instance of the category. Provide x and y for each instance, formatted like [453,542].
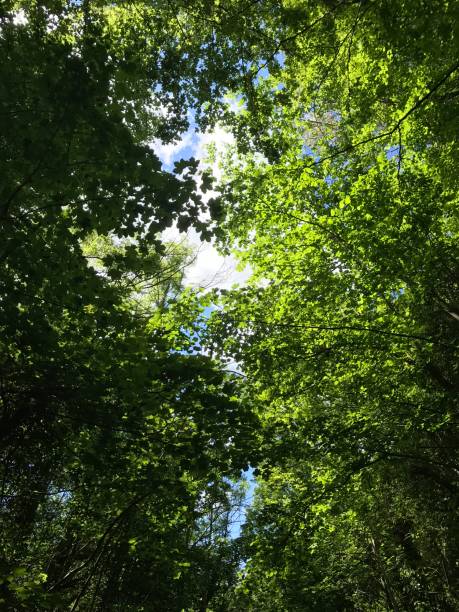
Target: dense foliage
[123,435]
[118,440]
[344,202]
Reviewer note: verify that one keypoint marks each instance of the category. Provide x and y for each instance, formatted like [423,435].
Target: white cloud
[219,139]
[168,153]
[210,269]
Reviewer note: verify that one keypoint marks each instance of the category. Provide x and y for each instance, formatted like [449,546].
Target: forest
[288,443]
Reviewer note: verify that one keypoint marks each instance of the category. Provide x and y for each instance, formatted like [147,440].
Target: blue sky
[210,269]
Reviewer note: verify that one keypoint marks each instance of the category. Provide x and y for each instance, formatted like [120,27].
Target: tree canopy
[124,434]
[343,199]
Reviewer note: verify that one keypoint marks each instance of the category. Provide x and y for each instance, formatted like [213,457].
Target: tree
[340,196]
[120,435]
[112,426]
